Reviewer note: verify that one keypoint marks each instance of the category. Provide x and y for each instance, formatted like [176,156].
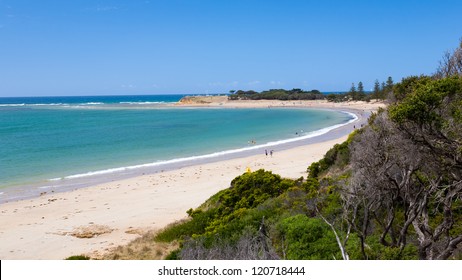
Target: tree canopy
[278,94]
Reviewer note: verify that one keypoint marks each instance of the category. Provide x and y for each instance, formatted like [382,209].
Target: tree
[451,63]
[361,94]
[376,94]
[407,170]
[431,117]
[331,97]
[277,94]
[360,87]
[352,92]
[382,169]
[389,85]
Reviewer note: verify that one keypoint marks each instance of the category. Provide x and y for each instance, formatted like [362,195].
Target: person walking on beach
[266,152]
[271,153]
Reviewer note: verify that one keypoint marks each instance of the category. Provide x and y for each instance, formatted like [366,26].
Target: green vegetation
[278,94]
[381,92]
[307,238]
[338,157]
[393,190]
[406,181]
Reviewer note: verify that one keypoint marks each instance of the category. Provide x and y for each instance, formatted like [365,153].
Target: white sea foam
[55,179]
[93,103]
[102,172]
[48,187]
[47,104]
[212,155]
[81,105]
[12,105]
[32,104]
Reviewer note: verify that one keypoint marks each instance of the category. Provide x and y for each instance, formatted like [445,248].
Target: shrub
[77,257]
[307,238]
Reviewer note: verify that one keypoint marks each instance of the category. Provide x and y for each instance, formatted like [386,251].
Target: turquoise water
[55,138]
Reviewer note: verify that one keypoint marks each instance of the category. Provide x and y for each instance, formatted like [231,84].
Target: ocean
[47,142]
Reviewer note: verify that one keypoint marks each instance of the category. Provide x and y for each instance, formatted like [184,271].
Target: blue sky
[65,47]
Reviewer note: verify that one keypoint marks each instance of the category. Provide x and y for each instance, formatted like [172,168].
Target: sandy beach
[95,219]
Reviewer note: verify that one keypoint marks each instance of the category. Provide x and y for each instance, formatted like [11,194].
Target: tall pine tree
[352,92]
[361,94]
[389,85]
[376,93]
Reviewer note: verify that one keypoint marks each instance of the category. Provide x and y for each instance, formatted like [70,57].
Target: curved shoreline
[221,155]
[43,227]
[91,178]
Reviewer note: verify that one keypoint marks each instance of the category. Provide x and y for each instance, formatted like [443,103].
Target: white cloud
[252,83]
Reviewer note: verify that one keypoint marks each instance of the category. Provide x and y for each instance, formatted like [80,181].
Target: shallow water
[43,141]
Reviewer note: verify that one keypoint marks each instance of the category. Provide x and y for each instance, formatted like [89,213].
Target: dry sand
[95,219]
[222,101]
